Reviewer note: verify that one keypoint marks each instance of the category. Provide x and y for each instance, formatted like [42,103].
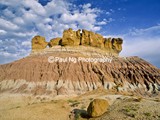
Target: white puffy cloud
[2,32]
[26,43]
[7,25]
[10,3]
[56,7]
[8,13]
[101,23]
[20,20]
[36,7]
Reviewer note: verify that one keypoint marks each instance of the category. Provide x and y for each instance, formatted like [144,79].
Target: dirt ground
[122,107]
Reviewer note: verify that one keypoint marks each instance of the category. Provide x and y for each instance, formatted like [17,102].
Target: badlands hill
[68,66]
[62,78]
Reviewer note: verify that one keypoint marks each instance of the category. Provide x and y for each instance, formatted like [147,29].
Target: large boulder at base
[71,38]
[38,43]
[92,39]
[97,107]
[55,41]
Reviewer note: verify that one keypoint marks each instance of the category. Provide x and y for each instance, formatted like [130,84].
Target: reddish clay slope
[34,72]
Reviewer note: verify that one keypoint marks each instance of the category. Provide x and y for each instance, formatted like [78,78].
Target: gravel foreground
[122,107]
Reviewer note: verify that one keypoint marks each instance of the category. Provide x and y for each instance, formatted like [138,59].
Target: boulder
[92,39]
[71,38]
[55,41]
[97,107]
[38,43]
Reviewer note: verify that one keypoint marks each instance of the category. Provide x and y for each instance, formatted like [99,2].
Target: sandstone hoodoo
[34,73]
[71,37]
[38,43]
[92,39]
[54,42]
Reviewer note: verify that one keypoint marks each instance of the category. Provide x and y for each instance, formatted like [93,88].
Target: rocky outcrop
[80,38]
[39,43]
[71,37]
[108,44]
[117,44]
[92,39]
[113,45]
[54,42]
[97,107]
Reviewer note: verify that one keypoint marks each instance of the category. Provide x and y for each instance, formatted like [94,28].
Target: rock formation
[117,44]
[130,74]
[71,37]
[92,39]
[54,42]
[97,107]
[108,44]
[80,38]
[38,43]
[113,45]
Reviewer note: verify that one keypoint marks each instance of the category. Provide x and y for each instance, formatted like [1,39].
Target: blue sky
[136,21]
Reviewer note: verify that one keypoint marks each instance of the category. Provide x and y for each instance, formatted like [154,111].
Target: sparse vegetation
[77,116]
[138,99]
[73,103]
[18,107]
[132,114]
[147,114]
[131,110]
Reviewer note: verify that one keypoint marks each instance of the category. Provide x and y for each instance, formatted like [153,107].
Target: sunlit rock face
[54,42]
[80,38]
[71,37]
[92,39]
[38,43]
